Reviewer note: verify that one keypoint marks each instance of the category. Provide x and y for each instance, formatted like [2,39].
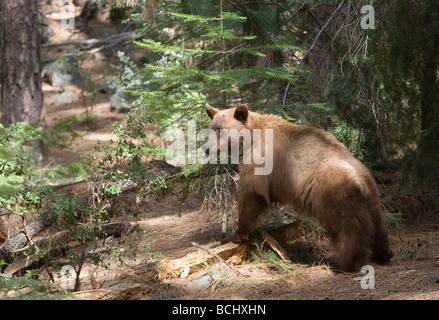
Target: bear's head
[226,130]
[232,137]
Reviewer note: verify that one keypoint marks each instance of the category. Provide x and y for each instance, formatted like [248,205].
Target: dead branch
[104,230]
[125,290]
[311,48]
[88,44]
[220,259]
[274,245]
[115,229]
[79,293]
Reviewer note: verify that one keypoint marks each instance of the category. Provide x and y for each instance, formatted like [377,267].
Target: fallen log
[159,168]
[32,229]
[125,290]
[219,259]
[232,253]
[22,237]
[26,234]
[115,229]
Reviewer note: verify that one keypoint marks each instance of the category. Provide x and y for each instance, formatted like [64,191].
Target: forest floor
[171,228]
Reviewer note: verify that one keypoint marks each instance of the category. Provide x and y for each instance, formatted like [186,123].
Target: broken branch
[274,245]
[87,44]
[284,100]
[220,259]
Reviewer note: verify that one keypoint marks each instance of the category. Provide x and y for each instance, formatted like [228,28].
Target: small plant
[3,263]
[268,258]
[392,218]
[88,91]
[18,195]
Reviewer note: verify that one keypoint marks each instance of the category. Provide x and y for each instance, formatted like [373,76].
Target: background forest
[366,71]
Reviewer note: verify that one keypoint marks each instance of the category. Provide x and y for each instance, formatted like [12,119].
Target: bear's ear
[211,111]
[241,112]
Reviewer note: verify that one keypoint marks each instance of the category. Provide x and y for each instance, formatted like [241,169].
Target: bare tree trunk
[20,68]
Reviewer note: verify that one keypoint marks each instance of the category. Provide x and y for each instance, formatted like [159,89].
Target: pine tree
[211,58]
[20,79]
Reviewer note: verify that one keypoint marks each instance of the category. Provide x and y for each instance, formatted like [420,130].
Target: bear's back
[306,157]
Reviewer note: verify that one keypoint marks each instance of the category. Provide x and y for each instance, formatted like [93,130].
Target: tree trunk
[20,69]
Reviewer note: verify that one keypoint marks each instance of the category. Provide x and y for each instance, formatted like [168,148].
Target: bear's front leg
[235,238]
[250,207]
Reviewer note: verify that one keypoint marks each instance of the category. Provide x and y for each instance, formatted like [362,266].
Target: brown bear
[311,171]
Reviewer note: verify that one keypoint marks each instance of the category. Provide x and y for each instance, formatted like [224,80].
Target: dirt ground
[171,229]
[412,273]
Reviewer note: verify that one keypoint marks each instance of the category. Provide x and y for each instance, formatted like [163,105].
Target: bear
[312,172]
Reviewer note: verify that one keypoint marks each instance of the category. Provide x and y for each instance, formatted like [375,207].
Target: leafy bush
[25,190]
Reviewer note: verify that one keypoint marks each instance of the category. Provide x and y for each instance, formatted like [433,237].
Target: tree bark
[20,69]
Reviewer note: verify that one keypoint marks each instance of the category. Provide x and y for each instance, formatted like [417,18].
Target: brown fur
[316,174]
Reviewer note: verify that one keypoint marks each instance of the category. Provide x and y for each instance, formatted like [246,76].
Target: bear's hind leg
[352,239]
[381,246]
